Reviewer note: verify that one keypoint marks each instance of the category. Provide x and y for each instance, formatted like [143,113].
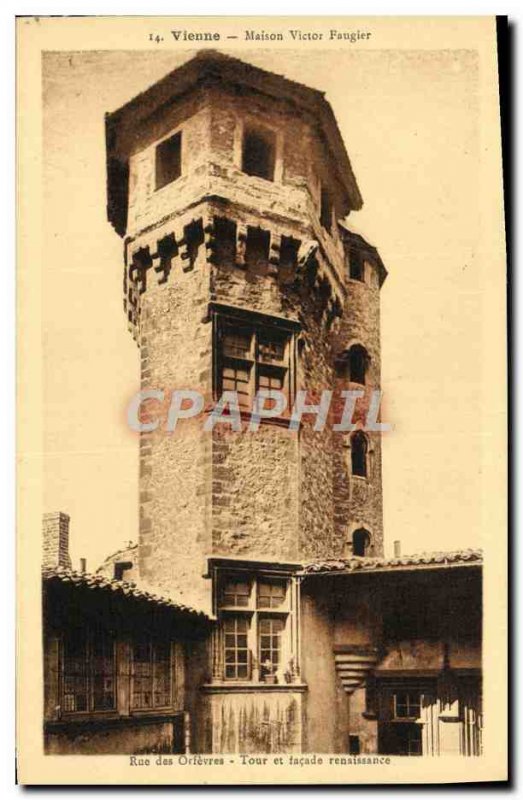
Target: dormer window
[326,209]
[168,160]
[259,153]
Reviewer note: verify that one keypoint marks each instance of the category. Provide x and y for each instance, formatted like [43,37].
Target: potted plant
[268,671]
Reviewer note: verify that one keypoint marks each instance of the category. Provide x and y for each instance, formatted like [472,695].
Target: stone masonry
[216,238]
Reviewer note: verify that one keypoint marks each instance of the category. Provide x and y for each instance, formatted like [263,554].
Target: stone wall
[261,721]
[270,493]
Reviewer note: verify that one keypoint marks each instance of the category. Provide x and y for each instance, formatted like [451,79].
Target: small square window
[407,705]
[258,156]
[168,160]
[356,267]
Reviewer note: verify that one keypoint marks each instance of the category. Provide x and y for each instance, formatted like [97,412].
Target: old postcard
[262,382]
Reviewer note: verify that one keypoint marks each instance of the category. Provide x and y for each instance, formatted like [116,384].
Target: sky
[410,123]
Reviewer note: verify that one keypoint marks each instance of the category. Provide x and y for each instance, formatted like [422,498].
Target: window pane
[236,593]
[271,348]
[269,634]
[237,379]
[271,594]
[142,675]
[162,674]
[407,704]
[237,343]
[75,671]
[103,671]
[258,153]
[236,652]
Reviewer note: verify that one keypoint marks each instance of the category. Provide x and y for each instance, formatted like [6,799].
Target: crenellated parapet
[219,237]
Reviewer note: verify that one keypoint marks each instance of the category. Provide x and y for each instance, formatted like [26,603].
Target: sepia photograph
[269,475]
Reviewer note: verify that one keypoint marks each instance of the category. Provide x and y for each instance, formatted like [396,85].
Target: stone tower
[228,184]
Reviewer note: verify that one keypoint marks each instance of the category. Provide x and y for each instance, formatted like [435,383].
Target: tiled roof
[456,558]
[120,588]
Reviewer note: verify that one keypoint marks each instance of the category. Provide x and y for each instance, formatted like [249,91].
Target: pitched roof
[439,560]
[356,240]
[100,583]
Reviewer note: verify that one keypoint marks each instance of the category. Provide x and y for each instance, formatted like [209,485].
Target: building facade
[231,188]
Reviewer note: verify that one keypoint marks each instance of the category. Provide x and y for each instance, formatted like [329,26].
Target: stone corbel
[274,254]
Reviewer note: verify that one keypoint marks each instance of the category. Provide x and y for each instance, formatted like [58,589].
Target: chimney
[83,565]
[56,540]
[397,548]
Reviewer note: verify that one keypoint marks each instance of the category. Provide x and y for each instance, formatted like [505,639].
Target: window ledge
[250,686]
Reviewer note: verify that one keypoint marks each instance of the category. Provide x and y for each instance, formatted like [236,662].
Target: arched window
[359,454]
[358,362]
[360,542]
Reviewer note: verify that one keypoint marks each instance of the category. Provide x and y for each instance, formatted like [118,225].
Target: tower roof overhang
[365,247]
[211,68]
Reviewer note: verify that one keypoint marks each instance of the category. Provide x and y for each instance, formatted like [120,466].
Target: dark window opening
[168,160]
[360,542]
[326,210]
[358,363]
[289,252]
[120,568]
[258,156]
[257,248]
[354,745]
[224,242]
[356,266]
[400,739]
[359,454]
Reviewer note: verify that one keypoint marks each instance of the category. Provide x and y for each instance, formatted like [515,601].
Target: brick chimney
[56,540]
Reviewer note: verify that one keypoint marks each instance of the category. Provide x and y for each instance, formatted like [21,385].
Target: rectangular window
[168,160]
[259,153]
[407,705]
[356,266]
[88,671]
[269,644]
[253,639]
[151,675]
[271,594]
[250,358]
[236,650]
[236,592]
